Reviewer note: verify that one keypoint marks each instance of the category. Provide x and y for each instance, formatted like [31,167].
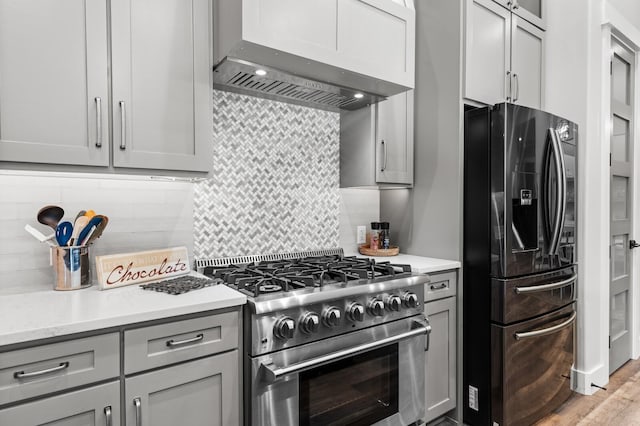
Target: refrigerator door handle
[545,287]
[561,191]
[545,331]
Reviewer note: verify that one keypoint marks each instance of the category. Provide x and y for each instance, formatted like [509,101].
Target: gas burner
[269,288]
[260,277]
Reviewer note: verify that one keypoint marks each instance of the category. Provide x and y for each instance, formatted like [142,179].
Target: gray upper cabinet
[533,11]
[54,96]
[54,84]
[161,84]
[504,56]
[201,392]
[376,144]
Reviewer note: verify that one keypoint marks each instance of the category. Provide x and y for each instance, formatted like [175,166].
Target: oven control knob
[355,312]
[410,300]
[331,317]
[284,328]
[376,307]
[310,322]
[394,303]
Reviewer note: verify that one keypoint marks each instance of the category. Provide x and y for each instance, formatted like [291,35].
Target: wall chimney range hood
[330,54]
[236,75]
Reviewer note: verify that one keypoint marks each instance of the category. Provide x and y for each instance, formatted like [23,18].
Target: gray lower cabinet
[197,393]
[440,370]
[94,406]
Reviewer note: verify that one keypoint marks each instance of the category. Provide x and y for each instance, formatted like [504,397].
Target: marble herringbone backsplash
[275,180]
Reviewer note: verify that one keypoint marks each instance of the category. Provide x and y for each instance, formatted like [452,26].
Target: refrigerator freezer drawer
[531,366]
[519,299]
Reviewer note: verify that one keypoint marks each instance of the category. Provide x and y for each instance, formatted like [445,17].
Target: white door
[53,82]
[622,89]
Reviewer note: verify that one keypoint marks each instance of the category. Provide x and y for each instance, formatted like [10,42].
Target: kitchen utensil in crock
[78,226]
[80,213]
[90,213]
[93,223]
[98,230]
[40,236]
[50,216]
[63,233]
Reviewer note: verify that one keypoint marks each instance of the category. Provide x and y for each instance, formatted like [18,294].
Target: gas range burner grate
[180,285]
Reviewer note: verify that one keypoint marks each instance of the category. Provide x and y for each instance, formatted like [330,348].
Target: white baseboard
[581,381]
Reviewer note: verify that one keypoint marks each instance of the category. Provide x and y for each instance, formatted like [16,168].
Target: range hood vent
[236,75]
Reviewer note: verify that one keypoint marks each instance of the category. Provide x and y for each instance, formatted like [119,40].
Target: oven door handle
[271,373]
[545,287]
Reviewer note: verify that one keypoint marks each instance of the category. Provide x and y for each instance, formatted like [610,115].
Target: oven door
[370,376]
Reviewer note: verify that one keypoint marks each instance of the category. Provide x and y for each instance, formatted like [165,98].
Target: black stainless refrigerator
[519,263]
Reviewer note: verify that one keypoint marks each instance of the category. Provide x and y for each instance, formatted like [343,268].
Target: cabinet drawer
[39,370]
[442,284]
[164,344]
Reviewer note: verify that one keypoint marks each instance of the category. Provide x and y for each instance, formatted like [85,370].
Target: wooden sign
[117,270]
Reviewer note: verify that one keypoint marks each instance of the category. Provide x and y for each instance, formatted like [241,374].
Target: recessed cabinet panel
[161,91]
[527,67]
[53,82]
[298,24]
[488,40]
[361,40]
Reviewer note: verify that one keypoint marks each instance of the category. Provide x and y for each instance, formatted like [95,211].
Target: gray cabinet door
[440,369]
[394,139]
[527,67]
[54,82]
[95,406]
[198,393]
[161,63]
[487,52]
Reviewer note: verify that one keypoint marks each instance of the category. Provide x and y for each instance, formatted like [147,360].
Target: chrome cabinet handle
[123,126]
[107,415]
[508,89]
[545,287]
[545,331]
[23,375]
[438,286]
[138,404]
[98,122]
[172,343]
[384,156]
[517,84]
[271,373]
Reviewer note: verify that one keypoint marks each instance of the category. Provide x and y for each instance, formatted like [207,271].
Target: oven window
[359,390]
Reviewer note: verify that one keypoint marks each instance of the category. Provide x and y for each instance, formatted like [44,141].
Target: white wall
[577,79]
[357,207]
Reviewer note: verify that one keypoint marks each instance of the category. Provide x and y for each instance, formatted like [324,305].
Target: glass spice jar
[374,240]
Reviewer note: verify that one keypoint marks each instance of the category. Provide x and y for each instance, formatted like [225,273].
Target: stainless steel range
[329,339]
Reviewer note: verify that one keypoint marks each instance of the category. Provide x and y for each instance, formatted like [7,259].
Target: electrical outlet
[361,234]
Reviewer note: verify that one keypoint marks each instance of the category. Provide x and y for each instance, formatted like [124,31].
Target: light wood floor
[619,405]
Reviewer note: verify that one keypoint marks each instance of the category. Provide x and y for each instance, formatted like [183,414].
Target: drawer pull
[545,287]
[172,343]
[137,403]
[438,286]
[23,375]
[107,416]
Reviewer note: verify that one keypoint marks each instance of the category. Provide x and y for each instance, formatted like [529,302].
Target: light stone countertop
[48,313]
[419,264]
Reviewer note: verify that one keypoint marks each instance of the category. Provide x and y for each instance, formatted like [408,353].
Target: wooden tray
[367,251]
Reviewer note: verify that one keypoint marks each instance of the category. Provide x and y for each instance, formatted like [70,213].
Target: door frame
[629,37]
[630,56]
